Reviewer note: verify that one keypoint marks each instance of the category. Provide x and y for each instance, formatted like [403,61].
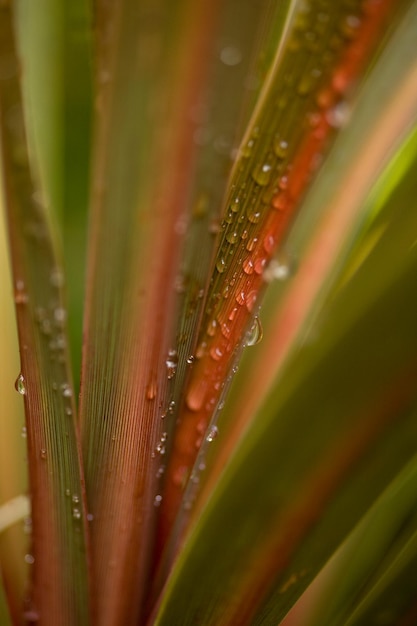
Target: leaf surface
[59,580]
[354,416]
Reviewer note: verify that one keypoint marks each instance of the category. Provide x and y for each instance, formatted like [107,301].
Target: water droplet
[338,116]
[240,298]
[201,350]
[29,559]
[277,270]
[216,353]
[157,501]
[221,265]
[196,394]
[246,150]
[248,265]
[232,313]
[228,219]
[226,330]
[67,493]
[269,243]
[20,296]
[24,433]
[171,363]
[280,147]
[251,244]
[230,55]
[279,202]
[234,206]
[255,334]
[212,434]
[232,237]
[20,385]
[283,182]
[75,498]
[211,328]
[68,411]
[261,174]
[325,98]
[43,453]
[260,265]
[350,26]
[66,390]
[46,326]
[60,315]
[190,359]
[56,278]
[160,448]
[76,513]
[90,517]
[254,216]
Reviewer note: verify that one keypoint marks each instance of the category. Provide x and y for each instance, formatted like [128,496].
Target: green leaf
[318,74]
[58,593]
[373,579]
[322,430]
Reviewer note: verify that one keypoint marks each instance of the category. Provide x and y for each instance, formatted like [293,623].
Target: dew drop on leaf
[261,174]
[232,237]
[20,296]
[212,433]
[280,147]
[230,55]
[254,216]
[216,353]
[20,385]
[251,243]
[248,265]
[221,265]
[66,390]
[56,278]
[255,334]
[171,363]
[76,513]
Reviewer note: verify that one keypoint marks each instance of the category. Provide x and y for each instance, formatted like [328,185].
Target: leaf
[275,164]
[349,426]
[13,473]
[250,32]
[372,580]
[58,594]
[143,159]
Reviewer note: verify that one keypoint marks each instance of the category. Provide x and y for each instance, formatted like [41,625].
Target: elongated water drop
[20,385]
[256,333]
[221,265]
[171,363]
[212,433]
